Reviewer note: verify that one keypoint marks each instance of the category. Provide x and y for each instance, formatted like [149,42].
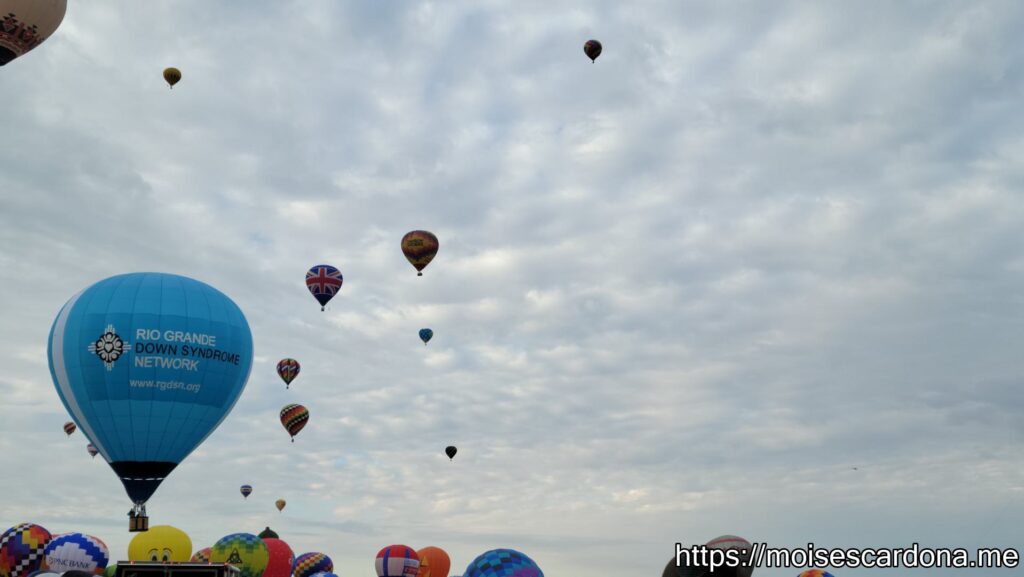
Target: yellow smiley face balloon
[161,544]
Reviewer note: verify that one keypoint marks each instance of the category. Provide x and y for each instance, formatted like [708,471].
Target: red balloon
[281,558]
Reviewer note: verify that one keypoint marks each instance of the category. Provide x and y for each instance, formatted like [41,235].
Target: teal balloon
[148,365]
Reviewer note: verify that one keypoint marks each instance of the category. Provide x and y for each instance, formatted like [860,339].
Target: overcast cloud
[681,292]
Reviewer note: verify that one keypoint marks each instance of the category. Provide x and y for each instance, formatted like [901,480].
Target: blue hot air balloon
[426,335]
[148,365]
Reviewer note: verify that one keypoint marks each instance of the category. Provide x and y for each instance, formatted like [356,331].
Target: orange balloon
[434,562]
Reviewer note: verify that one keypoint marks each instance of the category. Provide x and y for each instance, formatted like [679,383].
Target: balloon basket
[138,523]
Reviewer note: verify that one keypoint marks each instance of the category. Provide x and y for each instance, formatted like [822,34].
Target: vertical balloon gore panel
[149,364]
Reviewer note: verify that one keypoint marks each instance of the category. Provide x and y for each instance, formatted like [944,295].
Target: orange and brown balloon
[434,562]
[420,247]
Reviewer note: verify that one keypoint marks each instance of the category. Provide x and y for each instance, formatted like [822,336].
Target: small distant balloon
[93,451]
[288,369]
[280,503]
[426,335]
[172,75]
[450,451]
[246,490]
[397,561]
[69,428]
[294,418]
[323,281]
[419,248]
[592,48]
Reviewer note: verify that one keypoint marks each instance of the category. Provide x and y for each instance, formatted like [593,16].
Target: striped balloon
[93,451]
[202,555]
[21,549]
[288,369]
[76,552]
[69,428]
[246,491]
[309,564]
[294,419]
[397,561]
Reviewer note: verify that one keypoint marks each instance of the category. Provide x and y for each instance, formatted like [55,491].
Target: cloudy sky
[681,292]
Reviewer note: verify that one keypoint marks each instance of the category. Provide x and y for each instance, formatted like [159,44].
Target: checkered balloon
[76,552]
[503,563]
[21,549]
[309,564]
[202,555]
[243,550]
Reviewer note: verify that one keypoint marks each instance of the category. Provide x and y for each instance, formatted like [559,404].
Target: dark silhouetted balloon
[172,76]
[450,451]
[592,48]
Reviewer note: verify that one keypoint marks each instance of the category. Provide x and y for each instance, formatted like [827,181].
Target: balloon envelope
[450,451]
[172,75]
[288,369]
[426,335]
[280,503]
[110,570]
[243,550]
[149,364]
[280,558]
[434,562]
[93,451]
[323,281]
[25,24]
[161,544]
[246,490]
[76,552]
[202,555]
[502,562]
[294,419]
[21,549]
[308,564]
[419,248]
[397,561]
[69,428]
[726,542]
[592,48]
[267,533]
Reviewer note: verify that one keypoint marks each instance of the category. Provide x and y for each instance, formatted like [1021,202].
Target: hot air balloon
[323,281]
[592,48]
[202,555]
[503,562]
[288,369]
[172,76]
[93,451]
[450,451]
[280,503]
[815,573]
[426,335]
[739,544]
[246,490]
[21,549]
[160,544]
[267,533]
[294,419]
[25,24]
[243,550]
[309,564]
[397,561]
[280,558]
[111,570]
[149,364]
[419,247]
[69,428]
[75,551]
[434,562]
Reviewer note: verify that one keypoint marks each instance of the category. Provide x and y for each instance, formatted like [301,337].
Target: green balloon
[243,550]
[109,571]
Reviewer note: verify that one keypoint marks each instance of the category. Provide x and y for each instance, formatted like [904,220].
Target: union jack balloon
[323,281]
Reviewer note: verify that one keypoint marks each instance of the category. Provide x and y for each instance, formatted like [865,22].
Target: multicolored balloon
[280,558]
[280,503]
[26,24]
[420,247]
[172,76]
[450,451]
[309,564]
[426,335]
[501,563]
[69,428]
[243,550]
[323,281]
[202,555]
[76,552]
[815,573]
[161,544]
[397,561]
[93,451]
[22,549]
[288,369]
[434,562]
[592,48]
[246,490]
[173,354]
[294,419]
